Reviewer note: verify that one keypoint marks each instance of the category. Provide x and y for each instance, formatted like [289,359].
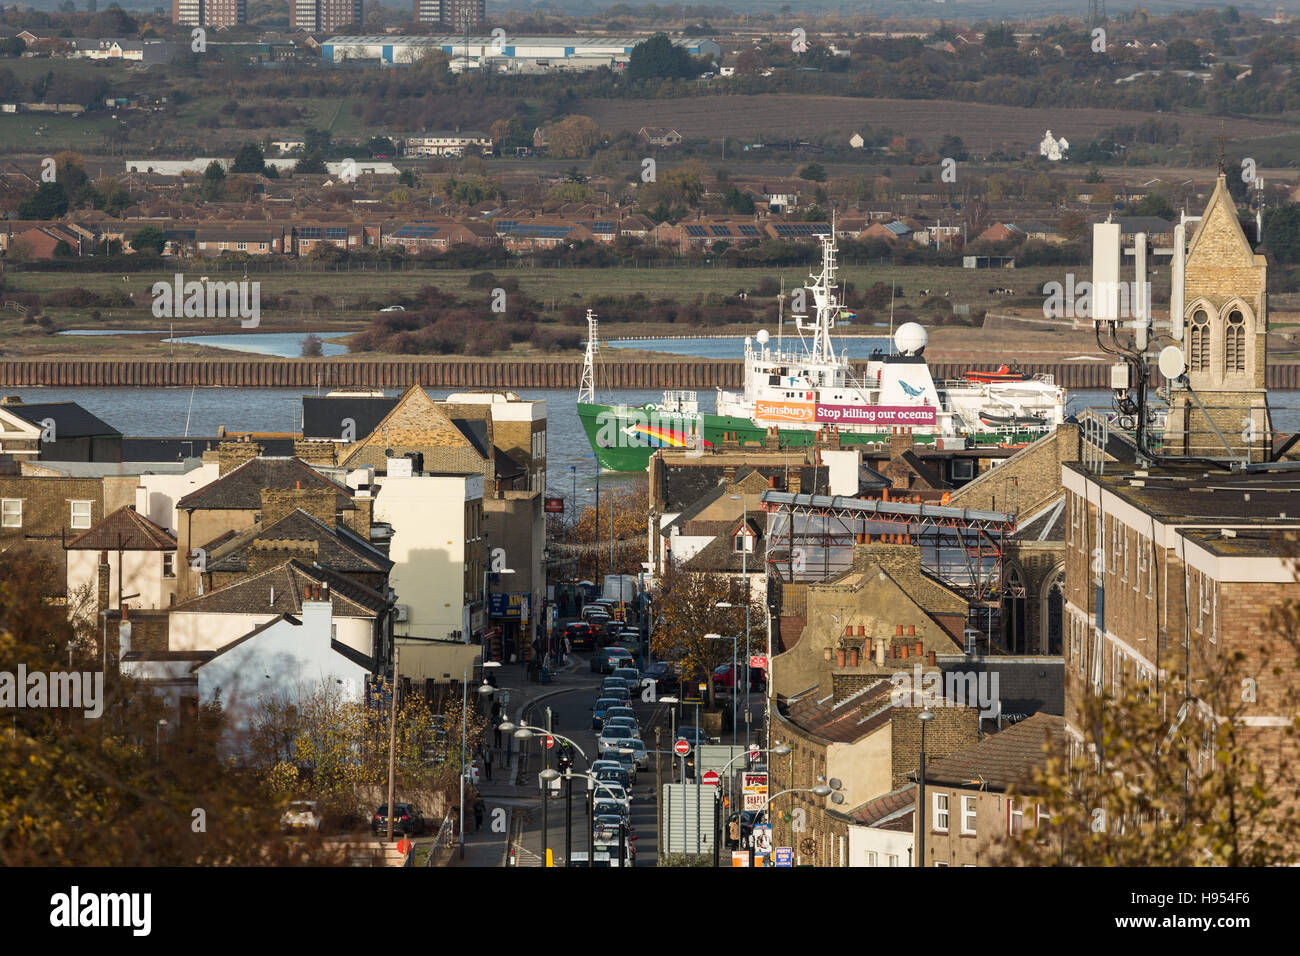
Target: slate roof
[240,489]
[252,595]
[1005,759]
[322,416]
[894,804]
[684,486]
[70,419]
[127,530]
[1046,524]
[841,721]
[718,554]
[340,549]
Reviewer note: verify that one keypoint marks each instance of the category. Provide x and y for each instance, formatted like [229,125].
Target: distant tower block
[1225,316]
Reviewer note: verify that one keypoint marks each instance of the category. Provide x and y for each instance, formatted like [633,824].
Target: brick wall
[317,452]
[1027,480]
[317,502]
[232,454]
[953,729]
[47,505]
[264,554]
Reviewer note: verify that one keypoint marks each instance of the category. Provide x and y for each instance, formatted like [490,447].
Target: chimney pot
[125,609]
[862,630]
[839,657]
[898,630]
[880,653]
[911,630]
[934,659]
[848,630]
[902,650]
[853,657]
[919,649]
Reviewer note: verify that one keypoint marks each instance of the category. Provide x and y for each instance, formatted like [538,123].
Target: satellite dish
[1172,364]
[762,336]
[911,338]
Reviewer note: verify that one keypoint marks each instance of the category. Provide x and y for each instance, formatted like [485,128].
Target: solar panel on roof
[695,231]
[720,230]
[310,232]
[336,232]
[749,230]
[603,225]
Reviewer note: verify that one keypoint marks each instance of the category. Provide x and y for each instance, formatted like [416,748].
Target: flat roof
[1194,495]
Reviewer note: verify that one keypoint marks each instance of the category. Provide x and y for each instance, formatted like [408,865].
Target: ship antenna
[587,389]
[780,316]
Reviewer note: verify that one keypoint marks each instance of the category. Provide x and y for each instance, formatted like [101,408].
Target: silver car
[639,754]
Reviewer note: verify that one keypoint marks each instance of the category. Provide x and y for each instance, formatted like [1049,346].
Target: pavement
[506,798]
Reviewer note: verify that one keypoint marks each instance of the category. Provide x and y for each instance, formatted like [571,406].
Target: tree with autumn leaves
[1168,778]
[585,542]
[685,609]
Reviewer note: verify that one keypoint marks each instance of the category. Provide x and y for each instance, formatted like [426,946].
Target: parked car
[407,820]
[302,815]
[581,635]
[393,308]
[607,738]
[616,792]
[694,734]
[615,683]
[599,708]
[603,804]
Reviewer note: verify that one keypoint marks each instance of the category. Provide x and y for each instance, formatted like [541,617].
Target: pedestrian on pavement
[478,815]
[496,727]
[487,762]
[568,646]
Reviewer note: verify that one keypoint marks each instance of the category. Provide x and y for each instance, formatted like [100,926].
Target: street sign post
[550,742]
[682,748]
[711,778]
[758,662]
[783,856]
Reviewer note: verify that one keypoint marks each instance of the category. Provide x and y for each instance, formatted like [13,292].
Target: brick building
[324,16]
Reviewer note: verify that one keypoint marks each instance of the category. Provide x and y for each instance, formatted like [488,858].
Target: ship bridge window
[774,380]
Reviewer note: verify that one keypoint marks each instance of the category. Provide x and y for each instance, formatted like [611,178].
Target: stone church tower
[1225,324]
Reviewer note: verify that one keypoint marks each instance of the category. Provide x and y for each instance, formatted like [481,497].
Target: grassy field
[983,127]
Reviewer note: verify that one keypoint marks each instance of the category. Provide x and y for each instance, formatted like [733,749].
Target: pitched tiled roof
[279,590]
[127,530]
[241,488]
[876,811]
[839,721]
[1004,759]
[339,548]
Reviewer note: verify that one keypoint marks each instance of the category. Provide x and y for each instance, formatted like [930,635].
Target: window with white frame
[80,514]
[873,858]
[1015,819]
[169,564]
[893,859]
[941,812]
[1124,534]
[968,815]
[11,513]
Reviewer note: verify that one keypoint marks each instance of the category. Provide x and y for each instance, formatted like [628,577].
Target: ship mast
[587,389]
[825,304]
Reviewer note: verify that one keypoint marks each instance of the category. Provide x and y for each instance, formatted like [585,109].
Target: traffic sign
[682,748]
[711,778]
[550,741]
[758,661]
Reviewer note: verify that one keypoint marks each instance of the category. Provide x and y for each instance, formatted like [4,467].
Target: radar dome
[910,338]
[762,336]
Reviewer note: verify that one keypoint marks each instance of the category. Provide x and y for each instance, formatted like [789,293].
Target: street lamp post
[821,790]
[744,573]
[524,732]
[780,750]
[734,640]
[487,606]
[925,717]
[157,740]
[484,689]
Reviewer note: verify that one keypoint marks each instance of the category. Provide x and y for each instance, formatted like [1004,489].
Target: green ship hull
[623,437]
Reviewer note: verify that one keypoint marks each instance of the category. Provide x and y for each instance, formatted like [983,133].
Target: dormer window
[743,541]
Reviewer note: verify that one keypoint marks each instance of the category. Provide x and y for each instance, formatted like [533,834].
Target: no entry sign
[711,778]
[682,748]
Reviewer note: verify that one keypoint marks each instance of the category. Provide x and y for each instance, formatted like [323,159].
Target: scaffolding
[810,540]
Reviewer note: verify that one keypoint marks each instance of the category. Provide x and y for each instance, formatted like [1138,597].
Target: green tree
[249,159]
[313,162]
[316,140]
[213,186]
[50,201]
[738,202]
[407,177]
[1282,232]
[1183,54]
[1003,36]
[380,146]
[659,58]
[813,172]
[150,240]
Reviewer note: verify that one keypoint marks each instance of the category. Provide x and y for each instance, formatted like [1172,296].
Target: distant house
[660,136]
[729,61]
[999,232]
[1041,231]
[856,141]
[891,231]
[636,225]
[448,143]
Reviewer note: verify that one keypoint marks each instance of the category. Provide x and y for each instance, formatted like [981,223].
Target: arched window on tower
[1234,342]
[1016,609]
[1198,342]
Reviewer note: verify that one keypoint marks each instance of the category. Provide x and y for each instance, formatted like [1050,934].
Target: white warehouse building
[507,54]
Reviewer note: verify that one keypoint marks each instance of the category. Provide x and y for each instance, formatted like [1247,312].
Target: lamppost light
[506,727]
[821,790]
[780,750]
[925,716]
